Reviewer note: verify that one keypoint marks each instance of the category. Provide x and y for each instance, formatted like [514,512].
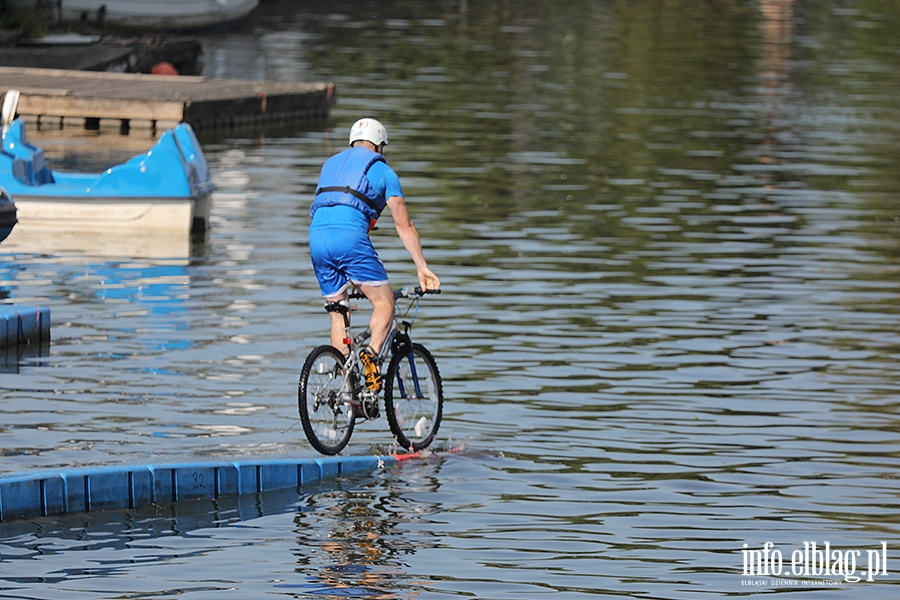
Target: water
[667,234]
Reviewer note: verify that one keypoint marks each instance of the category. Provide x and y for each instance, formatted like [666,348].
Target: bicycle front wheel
[413,398]
[324,401]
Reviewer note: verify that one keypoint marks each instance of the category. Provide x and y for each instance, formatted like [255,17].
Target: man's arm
[409,236]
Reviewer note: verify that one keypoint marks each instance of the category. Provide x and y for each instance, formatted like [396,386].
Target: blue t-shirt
[382,178]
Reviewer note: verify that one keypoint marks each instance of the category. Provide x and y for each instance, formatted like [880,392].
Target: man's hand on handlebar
[428,281]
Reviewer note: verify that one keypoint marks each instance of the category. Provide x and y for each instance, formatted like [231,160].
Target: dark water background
[668,235]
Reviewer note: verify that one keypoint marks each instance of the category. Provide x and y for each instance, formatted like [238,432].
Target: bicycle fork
[402,346]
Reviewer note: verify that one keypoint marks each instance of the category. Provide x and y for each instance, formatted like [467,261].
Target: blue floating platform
[45,493]
[24,326]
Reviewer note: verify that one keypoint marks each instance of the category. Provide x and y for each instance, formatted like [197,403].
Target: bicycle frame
[333,396]
[394,341]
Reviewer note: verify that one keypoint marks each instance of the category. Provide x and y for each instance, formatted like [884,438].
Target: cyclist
[354,187]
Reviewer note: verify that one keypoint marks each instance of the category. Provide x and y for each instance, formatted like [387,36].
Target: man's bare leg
[337,324]
[382,299]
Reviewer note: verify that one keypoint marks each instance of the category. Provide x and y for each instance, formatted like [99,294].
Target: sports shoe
[372,373]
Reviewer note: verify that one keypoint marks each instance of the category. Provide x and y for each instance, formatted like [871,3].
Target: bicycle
[332,396]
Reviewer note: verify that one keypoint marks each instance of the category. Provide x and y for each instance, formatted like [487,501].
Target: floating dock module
[60,97]
[82,490]
[24,326]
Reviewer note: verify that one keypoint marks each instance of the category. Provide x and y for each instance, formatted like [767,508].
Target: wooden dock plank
[200,101]
[67,106]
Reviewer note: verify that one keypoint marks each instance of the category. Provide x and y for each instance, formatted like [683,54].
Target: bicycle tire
[327,418]
[414,408]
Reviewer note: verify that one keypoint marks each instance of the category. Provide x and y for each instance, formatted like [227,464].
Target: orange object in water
[402,457]
[163,68]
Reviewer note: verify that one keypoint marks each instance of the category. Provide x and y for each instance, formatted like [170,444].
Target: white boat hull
[156,14]
[122,215]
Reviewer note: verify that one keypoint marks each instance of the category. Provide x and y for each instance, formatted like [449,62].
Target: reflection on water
[668,235]
[90,246]
[343,538]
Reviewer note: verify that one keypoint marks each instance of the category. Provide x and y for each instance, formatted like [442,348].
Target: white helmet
[368,130]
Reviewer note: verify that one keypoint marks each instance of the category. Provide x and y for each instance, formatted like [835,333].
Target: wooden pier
[87,99]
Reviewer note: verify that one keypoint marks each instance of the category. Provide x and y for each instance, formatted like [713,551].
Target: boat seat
[28,161]
[13,166]
[150,174]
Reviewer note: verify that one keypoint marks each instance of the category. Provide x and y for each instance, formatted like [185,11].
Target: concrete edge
[45,493]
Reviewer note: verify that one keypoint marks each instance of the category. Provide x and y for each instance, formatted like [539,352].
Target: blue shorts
[344,256]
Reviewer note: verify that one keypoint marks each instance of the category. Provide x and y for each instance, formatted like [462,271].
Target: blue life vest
[343,181]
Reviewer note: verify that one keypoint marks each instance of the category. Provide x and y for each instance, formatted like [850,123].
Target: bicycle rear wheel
[325,411]
[413,398]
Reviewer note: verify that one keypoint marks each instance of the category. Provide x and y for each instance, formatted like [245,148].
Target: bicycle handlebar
[418,291]
[401,293]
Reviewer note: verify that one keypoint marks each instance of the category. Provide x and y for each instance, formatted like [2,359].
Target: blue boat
[7,215]
[166,189]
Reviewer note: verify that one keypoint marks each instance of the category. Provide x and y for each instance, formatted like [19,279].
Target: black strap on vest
[348,190]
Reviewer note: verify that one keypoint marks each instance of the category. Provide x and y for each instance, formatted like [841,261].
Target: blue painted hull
[166,187]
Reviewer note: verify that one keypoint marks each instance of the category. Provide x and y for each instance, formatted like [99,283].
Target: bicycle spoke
[325,410]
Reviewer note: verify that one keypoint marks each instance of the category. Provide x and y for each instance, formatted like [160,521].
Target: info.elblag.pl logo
[815,560]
